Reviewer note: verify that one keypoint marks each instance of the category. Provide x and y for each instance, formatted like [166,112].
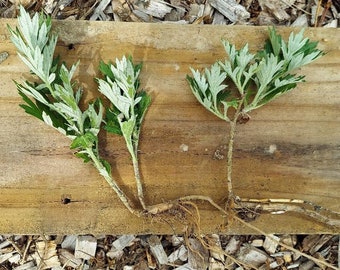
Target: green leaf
[106,70]
[106,165]
[112,123]
[239,66]
[273,45]
[37,109]
[84,141]
[268,69]
[143,105]
[84,156]
[127,127]
[258,78]
[128,103]
[30,107]
[94,115]
[210,90]
[215,78]
[113,92]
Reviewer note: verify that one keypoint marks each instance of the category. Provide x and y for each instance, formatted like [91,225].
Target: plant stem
[132,145]
[138,181]
[230,158]
[109,179]
[232,131]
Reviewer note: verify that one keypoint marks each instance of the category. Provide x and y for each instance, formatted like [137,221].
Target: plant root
[184,207]
[281,206]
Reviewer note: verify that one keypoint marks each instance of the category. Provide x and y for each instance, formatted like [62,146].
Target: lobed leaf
[84,141]
[258,78]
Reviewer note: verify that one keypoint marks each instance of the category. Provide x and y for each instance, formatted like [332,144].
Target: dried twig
[14,245]
[29,242]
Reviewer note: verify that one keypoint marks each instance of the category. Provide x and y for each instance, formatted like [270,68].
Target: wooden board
[37,169]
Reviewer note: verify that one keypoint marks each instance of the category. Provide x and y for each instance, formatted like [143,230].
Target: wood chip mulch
[300,13]
[130,252]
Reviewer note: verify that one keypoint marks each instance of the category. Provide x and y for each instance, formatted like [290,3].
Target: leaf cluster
[128,104]
[259,78]
[55,98]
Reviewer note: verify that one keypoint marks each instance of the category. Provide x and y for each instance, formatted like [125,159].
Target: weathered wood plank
[37,169]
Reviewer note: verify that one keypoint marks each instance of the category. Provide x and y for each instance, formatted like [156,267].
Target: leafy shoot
[259,78]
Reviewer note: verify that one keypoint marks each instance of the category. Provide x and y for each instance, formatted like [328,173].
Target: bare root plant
[259,78]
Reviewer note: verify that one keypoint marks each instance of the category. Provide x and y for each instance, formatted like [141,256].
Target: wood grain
[37,169]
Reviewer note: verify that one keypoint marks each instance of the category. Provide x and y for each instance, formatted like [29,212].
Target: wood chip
[115,254]
[27,266]
[85,247]
[219,18]
[332,24]
[176,240]
[309,241]
[152,264]
[131,251]
[157,249]
[315,13]
[198,256]
[4,244]
[252,255]
[257,243]
[276,8]
[339,253]
[270,245]
[195,12]
[264,18]
[215,265]
[229,8]
[300,21]
[179,254]
[322,241]
[272,265]
[68,259]
[99,11]
[174,15]
[142,16]
[289,240]
[123,241]
[15,259]
[46,254]
[184,267]
[287,258]
[306,265]
[233,245]
[69,242]
[216,251]
[154,8]
[6,256]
